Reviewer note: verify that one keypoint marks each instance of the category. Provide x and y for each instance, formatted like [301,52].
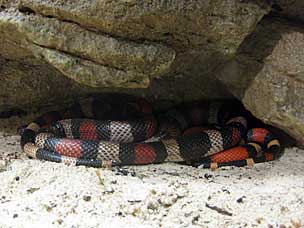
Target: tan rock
[89,73]
[222,24]
[27,83]
[163,50]
[108,54]
[270,70]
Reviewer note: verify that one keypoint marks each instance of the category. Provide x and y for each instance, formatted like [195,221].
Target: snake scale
[116,130]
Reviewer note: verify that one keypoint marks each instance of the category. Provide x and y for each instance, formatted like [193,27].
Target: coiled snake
[113,130]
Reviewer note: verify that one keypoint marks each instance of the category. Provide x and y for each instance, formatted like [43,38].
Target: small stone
[32,190]
[119,213]
[207,176]
[114,182]
[87,198]
[121,172]
[226,190]
[195,219]
[240,200]
[15,215]
[152,205]
[259,220]
[48,208]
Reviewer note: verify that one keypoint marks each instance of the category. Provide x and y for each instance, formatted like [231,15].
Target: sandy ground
[43,194]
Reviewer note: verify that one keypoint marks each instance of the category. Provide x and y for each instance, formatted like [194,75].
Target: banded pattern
[115,131]
[261,146]
[103,143]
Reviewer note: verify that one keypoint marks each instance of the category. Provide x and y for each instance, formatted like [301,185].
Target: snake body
[98,133]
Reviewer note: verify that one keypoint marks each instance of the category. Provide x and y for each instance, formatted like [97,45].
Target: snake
[118,130]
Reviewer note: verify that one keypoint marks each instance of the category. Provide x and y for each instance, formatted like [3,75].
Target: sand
[43,194]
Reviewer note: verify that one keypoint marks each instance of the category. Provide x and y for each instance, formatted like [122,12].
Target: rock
[268,75]
[74,50]
[28,83]
[91,74]
[290,9]
[163,50]
[181,23]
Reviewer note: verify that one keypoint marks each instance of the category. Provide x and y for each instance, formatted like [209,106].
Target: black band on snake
[114,131]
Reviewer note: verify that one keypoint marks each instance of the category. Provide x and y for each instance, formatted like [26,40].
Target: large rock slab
[163,50]
[268,75]
[221,23]
[87,57]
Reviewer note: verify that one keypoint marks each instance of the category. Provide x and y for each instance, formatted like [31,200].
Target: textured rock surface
[87,57]
[30,83]
[165,49]
[270,67]
[222,23]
